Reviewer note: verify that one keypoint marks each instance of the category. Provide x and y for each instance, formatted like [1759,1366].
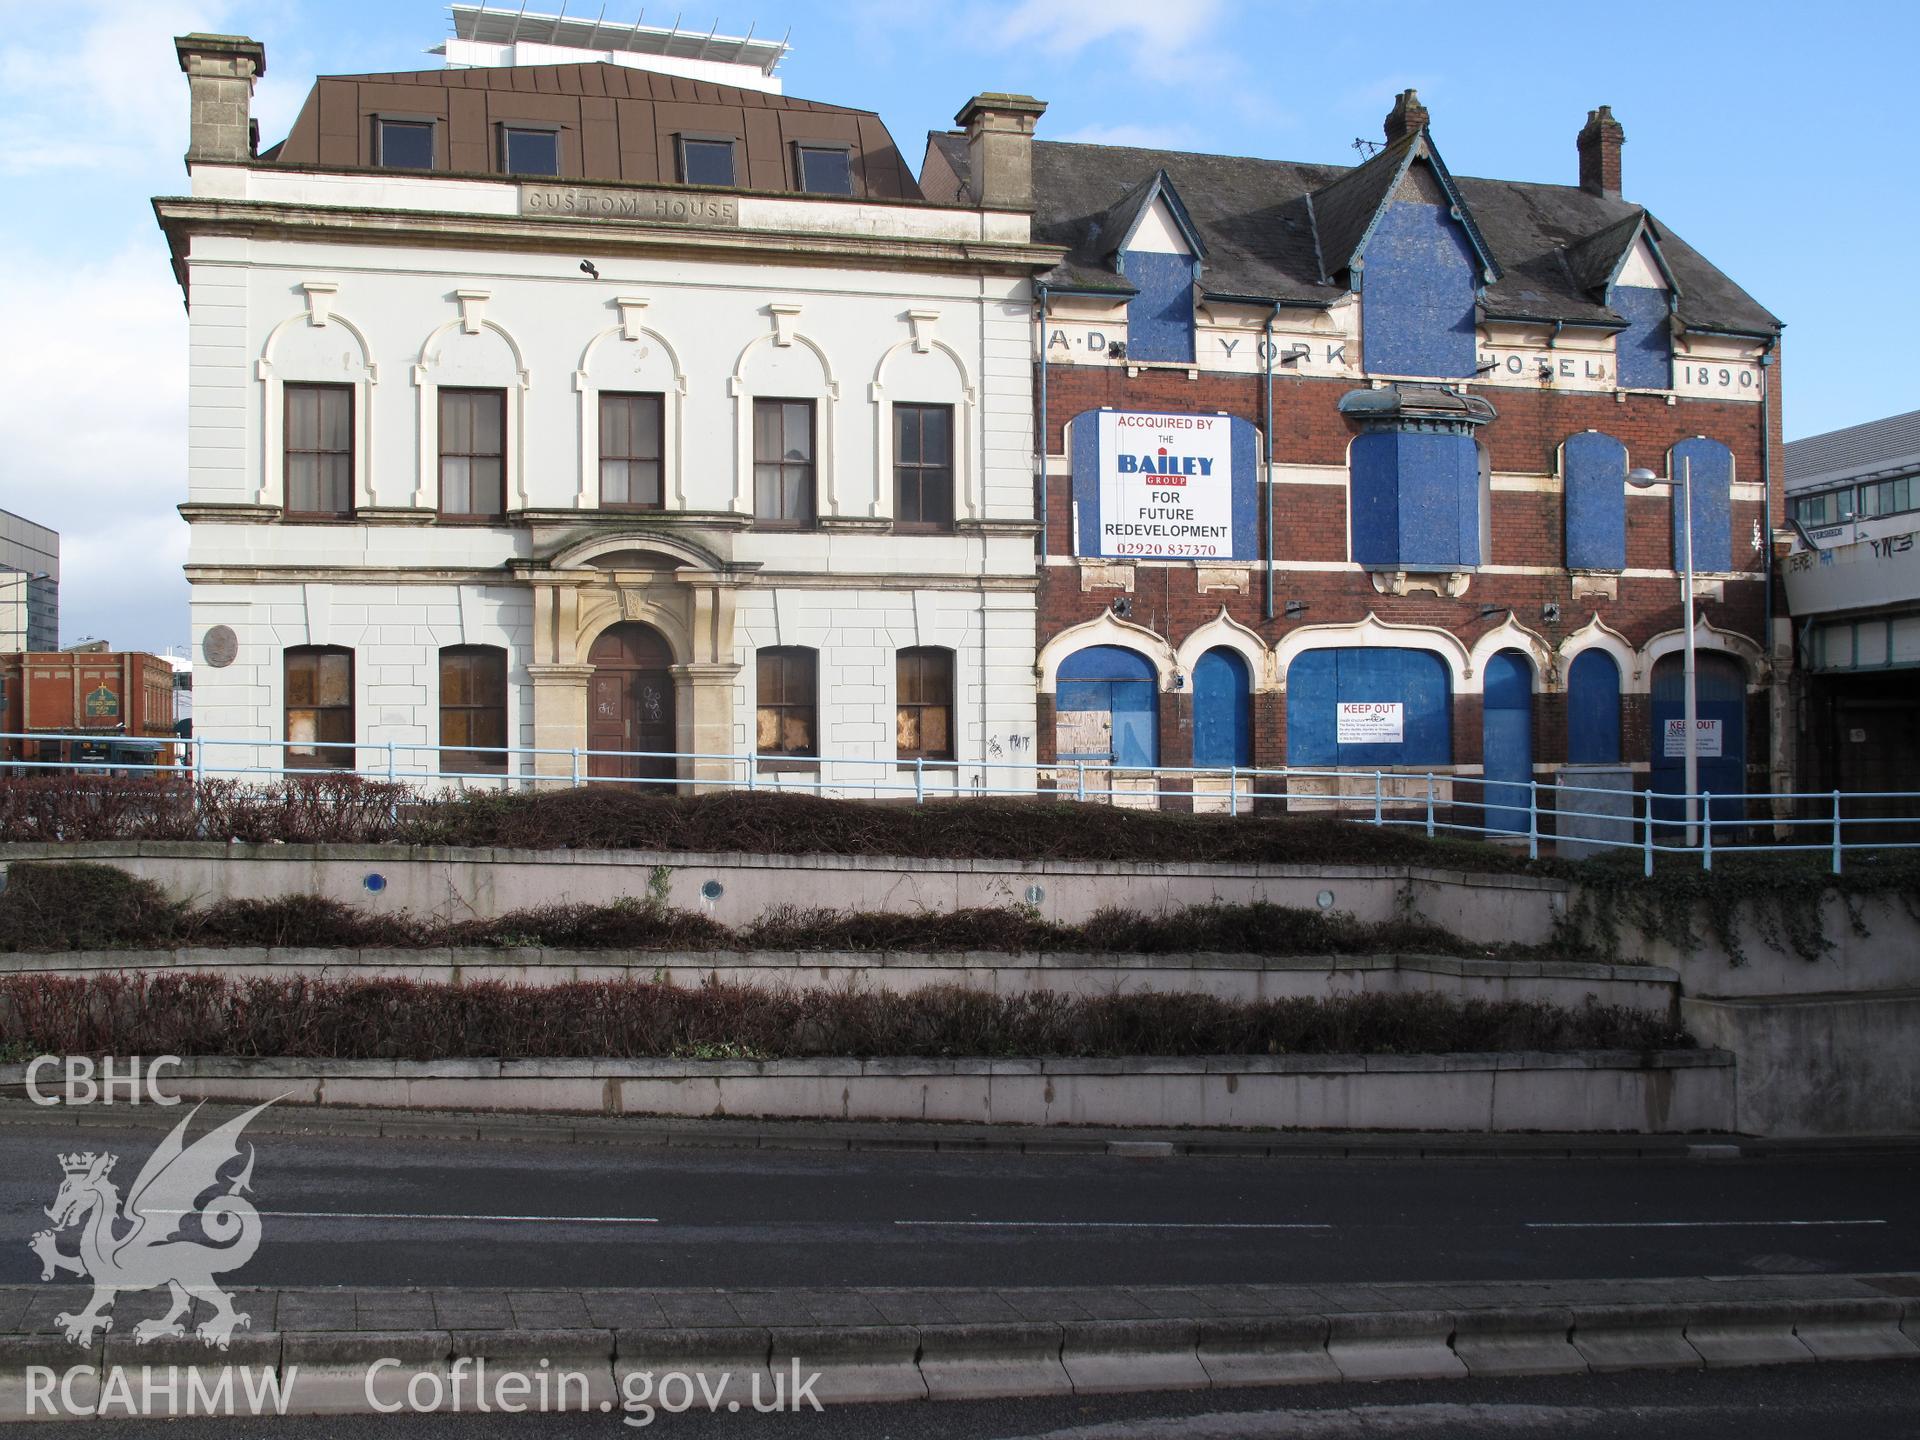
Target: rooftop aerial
[506,34]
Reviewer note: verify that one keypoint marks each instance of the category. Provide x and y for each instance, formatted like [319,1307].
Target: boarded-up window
[473,709]
[319,686]
[319,451]
[787,719]
[923,717]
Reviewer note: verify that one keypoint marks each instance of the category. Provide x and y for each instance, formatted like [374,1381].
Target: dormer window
[824,169]
[403,144]
[706,160]
[529,150]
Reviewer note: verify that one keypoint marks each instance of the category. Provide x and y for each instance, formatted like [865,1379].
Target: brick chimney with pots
[1600,141]
[1407,116]
[220,72]
[1000,149]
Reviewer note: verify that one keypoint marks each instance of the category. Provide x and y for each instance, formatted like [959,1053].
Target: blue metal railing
[1586,818]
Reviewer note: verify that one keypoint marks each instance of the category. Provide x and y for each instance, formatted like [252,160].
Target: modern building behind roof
[29,585]
[1858,483]
[506,35]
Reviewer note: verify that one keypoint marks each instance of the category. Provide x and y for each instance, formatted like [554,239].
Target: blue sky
[1768,134]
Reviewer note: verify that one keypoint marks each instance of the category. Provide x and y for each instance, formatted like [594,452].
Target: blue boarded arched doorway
[1720,686]
[1593,709]
[1106,708]
[1222,710]
[1506,741]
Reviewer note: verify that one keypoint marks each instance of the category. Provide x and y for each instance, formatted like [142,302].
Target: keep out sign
[1370,722]
[1706,738]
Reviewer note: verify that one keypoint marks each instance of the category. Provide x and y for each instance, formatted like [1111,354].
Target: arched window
[473,710]
[1593,471]
[1106,708]
[1222,710]
[786,722]
[1711,466]
[1369,705]
[1593,709]
[923,699]
[319,707]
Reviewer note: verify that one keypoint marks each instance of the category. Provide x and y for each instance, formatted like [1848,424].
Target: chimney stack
[1000,149]
[1600,141]
[220,72]
[1407,116]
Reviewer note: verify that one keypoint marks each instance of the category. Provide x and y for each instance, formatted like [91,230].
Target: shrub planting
[391,1019]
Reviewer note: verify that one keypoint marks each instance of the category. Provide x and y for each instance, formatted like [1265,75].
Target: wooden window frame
[809,758]
[328,754]
[810,519]
[732,142]
[288,391]
[659,460]
[467,760]
[919,469]
[945,660]
[468,517]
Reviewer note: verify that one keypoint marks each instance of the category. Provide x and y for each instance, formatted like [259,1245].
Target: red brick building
[1336,467]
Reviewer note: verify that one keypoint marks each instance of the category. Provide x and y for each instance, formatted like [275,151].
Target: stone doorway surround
[669,581]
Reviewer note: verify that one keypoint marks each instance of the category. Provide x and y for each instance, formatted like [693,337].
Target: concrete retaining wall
[1590,1091]
[1819,1064]
[1228,977]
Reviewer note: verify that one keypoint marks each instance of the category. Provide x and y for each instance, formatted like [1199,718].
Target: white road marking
[406,1215]
[1103,1225]
[1685,1224]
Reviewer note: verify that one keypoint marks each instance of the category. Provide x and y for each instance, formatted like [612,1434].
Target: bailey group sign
[1156,486]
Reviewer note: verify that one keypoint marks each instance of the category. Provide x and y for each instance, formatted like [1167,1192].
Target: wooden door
[630,705]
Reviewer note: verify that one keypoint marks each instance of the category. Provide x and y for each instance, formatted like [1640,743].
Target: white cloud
[1141,137]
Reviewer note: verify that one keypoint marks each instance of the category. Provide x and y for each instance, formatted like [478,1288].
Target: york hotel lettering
[1530,365]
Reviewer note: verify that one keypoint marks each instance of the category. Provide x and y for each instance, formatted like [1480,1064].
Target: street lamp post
[1690,744]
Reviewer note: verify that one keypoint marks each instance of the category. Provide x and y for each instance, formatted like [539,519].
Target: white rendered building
[579,407]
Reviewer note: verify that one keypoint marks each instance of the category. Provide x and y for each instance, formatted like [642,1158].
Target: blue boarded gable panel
[1419,284]
[1712,477]
[1643,352]
[1593,709]
[1319,680]
[1160,315]
[1593,471]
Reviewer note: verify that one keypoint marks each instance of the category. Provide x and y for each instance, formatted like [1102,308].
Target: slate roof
[1889,445]
[1274,228]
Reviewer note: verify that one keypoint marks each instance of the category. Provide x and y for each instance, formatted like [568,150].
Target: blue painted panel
[1712,470]
[1644,350]
[1720,691]
[1594,472]
[1415,500]
[1222,710]
[1593,709]
[1419,287]
[1374,489]
[1160,317]
[1506,748]
[1107,662]
[1136,723]
[1083,440]
[1417,679]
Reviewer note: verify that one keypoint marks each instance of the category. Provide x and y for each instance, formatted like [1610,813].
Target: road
[1861,1402]
[373,1211]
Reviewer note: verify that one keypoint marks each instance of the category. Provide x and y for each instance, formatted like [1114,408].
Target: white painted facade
[854,305]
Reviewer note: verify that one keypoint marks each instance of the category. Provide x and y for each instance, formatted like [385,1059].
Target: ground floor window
[319,703]
[473,709]
[1369,706]
[1106,708]
[923,696]
[786,723]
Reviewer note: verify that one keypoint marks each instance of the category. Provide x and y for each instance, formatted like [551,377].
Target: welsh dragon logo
[141,1247]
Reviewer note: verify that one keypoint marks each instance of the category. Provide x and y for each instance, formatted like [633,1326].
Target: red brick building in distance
[1336,469]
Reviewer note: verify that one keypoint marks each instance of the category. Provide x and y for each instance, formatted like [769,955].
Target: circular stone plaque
[219,646]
